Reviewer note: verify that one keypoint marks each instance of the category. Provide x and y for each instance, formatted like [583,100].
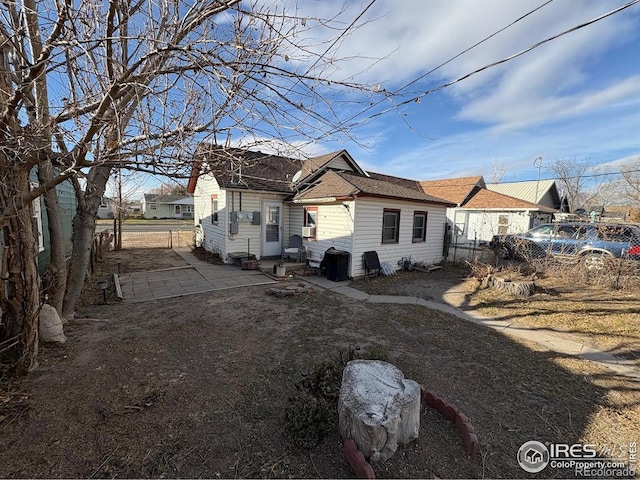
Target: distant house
[107,208]
[480,212]
[166,206]
[253,202]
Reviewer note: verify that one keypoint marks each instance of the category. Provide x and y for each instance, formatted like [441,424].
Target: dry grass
[570,301]
[196,387]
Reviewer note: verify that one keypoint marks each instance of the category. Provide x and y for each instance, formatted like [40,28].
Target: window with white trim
[419,227]
[390,225]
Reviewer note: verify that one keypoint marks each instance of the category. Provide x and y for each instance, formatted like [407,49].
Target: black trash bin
[337,264]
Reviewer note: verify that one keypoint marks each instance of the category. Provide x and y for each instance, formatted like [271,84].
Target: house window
[189,209]
[461,221]
[390,226]
[503,224]
[214,211]
[419,227]
[152,206]
[311,220]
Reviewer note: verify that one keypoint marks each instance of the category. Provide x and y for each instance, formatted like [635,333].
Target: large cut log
[378,408]
[518,288]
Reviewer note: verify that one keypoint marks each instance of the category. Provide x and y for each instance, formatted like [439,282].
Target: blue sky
[577,97]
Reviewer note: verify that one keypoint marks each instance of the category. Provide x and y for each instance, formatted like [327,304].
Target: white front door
[271,229]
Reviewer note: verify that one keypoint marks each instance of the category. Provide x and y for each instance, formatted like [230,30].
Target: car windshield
[541,231]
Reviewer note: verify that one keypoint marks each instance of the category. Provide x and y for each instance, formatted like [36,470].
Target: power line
[506,59]
[438,67]
[570,177]
[486,67]
[335,41]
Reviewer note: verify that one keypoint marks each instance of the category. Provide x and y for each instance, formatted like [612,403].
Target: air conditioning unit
[308,231]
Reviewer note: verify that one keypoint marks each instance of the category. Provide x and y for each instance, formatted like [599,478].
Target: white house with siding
[154,206]
[252,203]
[481,211]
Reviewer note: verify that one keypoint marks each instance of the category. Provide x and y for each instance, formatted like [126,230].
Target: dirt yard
[198,386]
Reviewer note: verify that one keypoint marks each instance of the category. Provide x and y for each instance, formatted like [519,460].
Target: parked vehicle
[594,243]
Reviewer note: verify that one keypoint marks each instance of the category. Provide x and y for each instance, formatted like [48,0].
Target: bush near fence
[167,239]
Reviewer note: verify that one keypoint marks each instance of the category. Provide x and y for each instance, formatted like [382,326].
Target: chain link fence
[167,239]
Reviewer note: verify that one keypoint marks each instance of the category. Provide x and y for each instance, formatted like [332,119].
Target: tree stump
[520,288]
[378,408]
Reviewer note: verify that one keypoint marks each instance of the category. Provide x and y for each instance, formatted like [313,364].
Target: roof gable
[454,190]
[531,191]
[483,199]
[236,168]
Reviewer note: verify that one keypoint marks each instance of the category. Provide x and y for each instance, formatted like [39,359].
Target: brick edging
[463,425]
[451,412]
[356,459]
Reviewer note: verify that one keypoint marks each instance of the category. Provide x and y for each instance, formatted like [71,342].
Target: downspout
[353,237]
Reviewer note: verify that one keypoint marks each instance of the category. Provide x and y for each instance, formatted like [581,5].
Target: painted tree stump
[378,408]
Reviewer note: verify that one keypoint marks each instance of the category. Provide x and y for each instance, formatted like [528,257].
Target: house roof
[455,190]
[236,168]
[334,184]
[172,199]
[314,164]
[527,190]
[483,199]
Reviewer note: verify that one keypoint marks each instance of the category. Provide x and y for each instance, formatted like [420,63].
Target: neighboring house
[133,208]
[107,208]
[252,202]
[68,206]
[480,213]
[166,206]
[544,192]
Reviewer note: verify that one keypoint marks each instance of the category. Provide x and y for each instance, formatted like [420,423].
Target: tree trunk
[84,225]
[19,285]
[57,272]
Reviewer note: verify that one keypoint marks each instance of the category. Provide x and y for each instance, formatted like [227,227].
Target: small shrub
[312,411]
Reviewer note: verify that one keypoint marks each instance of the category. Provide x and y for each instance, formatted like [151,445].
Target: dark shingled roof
[260,171]
[344,184]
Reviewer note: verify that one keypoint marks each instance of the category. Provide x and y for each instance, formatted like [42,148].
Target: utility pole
[119,240]
[537,163]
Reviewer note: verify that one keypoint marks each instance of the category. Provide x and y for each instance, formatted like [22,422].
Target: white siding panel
[334,229]
[295,220]
[251,202]
[340,163]
[214,235]
[484,225]
[368,236]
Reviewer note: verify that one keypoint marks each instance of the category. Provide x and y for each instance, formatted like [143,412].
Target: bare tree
[498,170]
[583,182]
[94,86]
[630,184]
[173,188]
